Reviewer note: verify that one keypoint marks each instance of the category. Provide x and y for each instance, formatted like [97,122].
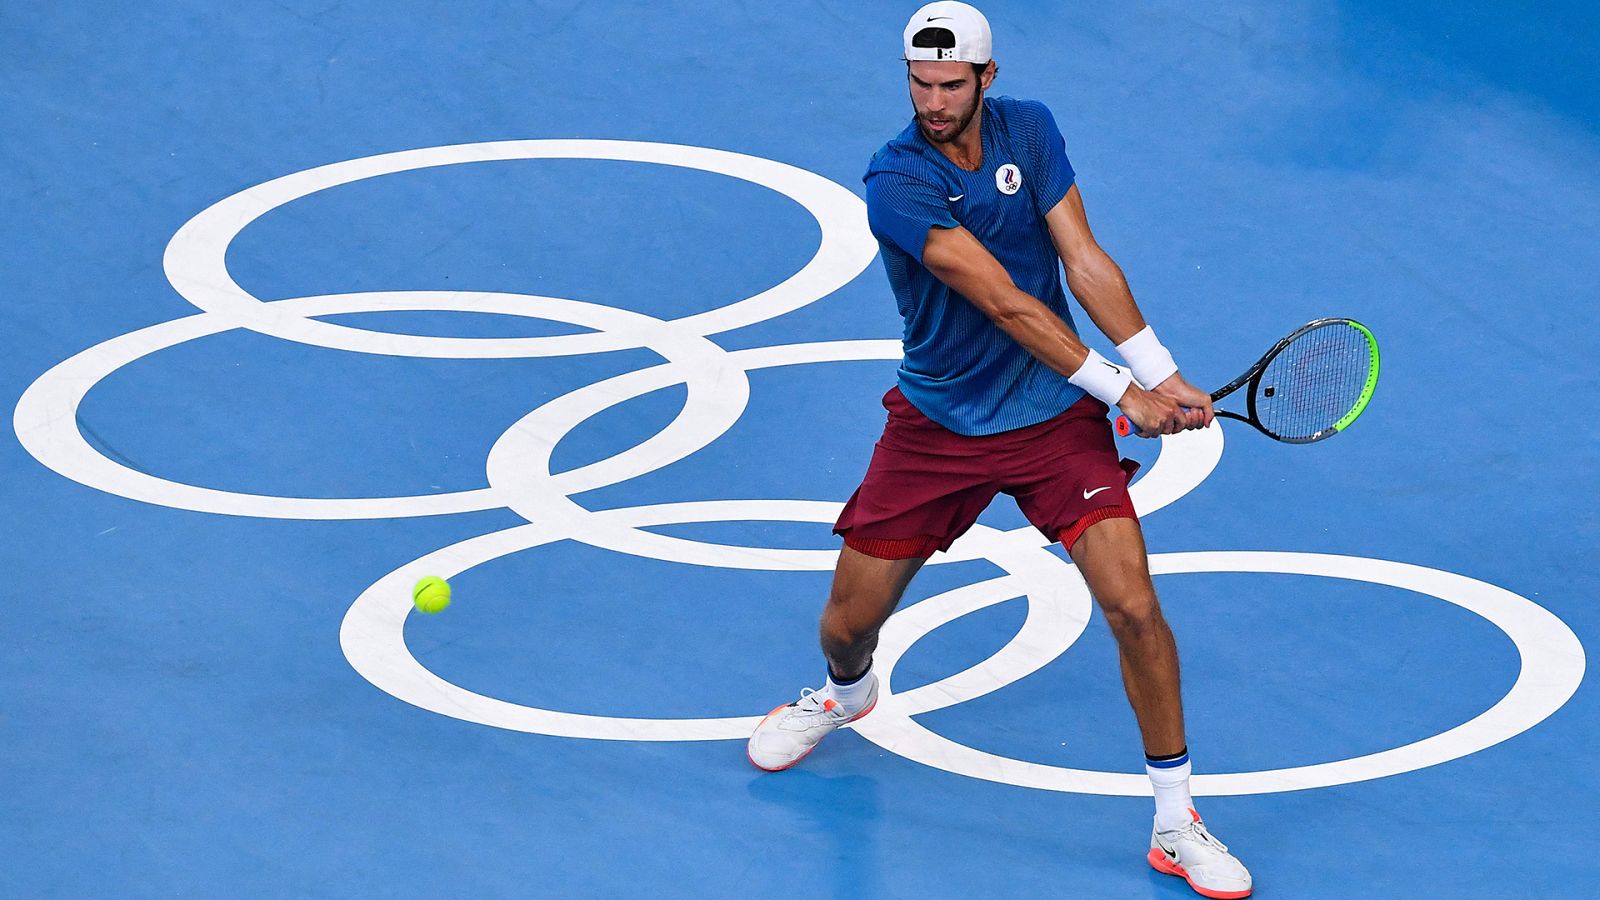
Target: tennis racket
[1311,385]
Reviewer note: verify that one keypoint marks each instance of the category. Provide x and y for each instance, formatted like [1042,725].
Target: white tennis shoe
[791,731]
[1191,853]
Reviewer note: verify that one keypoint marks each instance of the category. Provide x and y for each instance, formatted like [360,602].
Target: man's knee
[1132,612]
[1111,557]
[838,635]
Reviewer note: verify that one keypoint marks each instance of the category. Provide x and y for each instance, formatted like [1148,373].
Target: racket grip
[1126,428]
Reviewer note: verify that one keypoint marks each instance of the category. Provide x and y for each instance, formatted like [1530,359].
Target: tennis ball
[431,595]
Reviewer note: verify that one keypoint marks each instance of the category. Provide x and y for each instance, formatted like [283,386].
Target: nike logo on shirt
[1089,495]
[955,198]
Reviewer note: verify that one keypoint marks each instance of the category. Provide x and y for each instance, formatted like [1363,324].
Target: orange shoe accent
[829,704]
[1159,861]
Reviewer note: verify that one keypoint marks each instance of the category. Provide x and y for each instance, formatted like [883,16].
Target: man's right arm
[959,260]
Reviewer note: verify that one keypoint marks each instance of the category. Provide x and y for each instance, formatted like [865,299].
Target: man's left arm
[1098,283]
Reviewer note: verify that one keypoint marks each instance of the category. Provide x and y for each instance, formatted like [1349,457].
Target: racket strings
[1314,381]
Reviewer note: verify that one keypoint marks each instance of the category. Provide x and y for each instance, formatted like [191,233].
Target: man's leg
[865,592]
[924,487]
[1111,556]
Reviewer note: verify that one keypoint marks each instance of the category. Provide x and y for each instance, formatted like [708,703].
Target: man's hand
[1151,413]
[1175,405]
[1197,403]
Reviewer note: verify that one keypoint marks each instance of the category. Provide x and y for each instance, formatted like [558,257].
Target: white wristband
[1151,363]
[1106,382]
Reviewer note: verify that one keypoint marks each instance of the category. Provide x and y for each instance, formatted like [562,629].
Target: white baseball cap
[948,31]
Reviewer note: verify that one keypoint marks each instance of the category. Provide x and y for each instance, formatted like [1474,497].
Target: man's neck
[966,150]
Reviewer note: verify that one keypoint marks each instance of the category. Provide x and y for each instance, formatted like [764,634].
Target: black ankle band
[846,682]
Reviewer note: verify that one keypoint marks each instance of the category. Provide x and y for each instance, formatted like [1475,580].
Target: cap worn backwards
[948,31]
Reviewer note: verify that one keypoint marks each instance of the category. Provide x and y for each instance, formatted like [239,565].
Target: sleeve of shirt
[1053,174]
[901,209]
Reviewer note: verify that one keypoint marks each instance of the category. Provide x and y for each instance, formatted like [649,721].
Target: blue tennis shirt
[960,369]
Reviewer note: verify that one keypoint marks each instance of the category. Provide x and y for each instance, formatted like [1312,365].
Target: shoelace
[1200,834]
[809,710]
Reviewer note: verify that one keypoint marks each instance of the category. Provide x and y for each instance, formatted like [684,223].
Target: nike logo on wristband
[1112,368]
[1089,495]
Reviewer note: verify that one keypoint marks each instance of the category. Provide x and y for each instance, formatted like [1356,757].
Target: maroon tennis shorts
[926,485]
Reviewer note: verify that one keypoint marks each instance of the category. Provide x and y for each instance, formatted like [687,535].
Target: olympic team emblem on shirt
[1008,178]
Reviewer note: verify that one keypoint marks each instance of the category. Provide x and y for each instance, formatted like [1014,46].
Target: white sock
[1170,779]
[854,695]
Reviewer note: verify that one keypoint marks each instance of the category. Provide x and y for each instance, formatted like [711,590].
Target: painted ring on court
[372,634]
[45,417]
[196,257]
[1552,666]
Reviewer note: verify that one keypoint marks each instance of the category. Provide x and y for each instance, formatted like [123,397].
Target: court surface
[573,303]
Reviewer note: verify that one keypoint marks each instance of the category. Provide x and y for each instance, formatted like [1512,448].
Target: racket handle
[1126,428]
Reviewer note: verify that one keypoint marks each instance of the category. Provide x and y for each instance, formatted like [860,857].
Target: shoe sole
[1165,866]
[796,761]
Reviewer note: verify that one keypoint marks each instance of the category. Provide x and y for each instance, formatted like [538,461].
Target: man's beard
[958,125]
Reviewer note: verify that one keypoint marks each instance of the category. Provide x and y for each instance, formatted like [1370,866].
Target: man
[973,204]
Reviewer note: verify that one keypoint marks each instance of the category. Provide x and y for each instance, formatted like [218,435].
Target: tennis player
[973,205]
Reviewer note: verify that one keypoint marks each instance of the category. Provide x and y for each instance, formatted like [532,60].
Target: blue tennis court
[575,305]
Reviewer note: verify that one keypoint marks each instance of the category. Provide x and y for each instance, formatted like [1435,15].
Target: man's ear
[989,72]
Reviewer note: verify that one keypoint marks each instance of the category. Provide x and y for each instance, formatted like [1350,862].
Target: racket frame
[1252,378]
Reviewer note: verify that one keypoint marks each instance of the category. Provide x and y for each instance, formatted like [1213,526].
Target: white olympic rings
[519,477]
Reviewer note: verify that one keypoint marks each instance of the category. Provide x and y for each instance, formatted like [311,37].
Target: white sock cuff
[1164,776]
[851,696]
[1170,784]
